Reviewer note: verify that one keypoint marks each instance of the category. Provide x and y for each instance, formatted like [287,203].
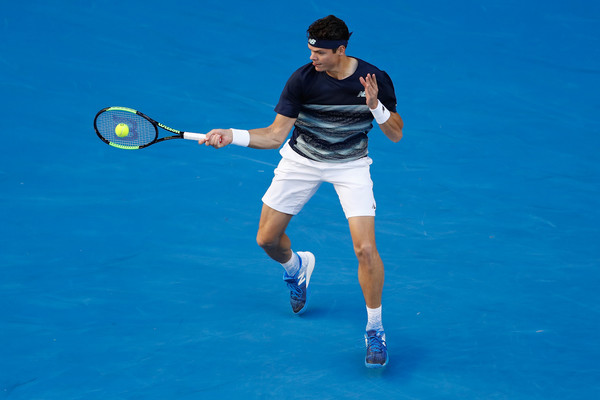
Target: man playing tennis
[330,103]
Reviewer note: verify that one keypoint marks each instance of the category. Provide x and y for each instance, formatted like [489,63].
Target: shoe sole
[309,270]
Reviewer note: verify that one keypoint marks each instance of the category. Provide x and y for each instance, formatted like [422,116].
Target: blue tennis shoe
[298,284]
[377,356]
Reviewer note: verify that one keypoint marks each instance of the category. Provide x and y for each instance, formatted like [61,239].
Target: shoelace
[295,289]
[375,343]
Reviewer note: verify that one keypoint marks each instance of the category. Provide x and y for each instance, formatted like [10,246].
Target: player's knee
[365,252]
[266,241]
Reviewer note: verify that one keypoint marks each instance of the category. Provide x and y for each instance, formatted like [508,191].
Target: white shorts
[298,178]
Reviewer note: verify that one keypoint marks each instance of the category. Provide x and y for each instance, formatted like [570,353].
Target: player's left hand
[371,89]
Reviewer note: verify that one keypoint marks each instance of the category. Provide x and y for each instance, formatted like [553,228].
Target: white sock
[374,319]
[293,265]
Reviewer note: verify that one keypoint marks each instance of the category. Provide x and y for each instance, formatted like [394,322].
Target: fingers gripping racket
[129,129]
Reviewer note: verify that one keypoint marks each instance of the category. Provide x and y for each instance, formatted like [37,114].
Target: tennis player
[330,103]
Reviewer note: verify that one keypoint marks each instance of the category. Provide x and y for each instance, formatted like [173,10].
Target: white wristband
[240,137]
[380,113]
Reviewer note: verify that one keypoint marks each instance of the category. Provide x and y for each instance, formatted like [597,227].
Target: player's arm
[270,137]
[391,125]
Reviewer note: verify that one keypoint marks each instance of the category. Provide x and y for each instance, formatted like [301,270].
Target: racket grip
[193,136]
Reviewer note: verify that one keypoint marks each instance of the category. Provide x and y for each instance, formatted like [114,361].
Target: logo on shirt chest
[362,94]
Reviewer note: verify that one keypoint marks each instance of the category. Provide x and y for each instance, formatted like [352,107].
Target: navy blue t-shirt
[332,116]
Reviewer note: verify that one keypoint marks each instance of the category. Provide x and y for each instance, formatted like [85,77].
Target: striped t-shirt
[332,118]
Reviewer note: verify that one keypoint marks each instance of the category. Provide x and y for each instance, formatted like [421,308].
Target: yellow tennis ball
[122,130]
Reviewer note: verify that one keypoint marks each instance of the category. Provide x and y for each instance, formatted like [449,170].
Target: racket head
[142,130]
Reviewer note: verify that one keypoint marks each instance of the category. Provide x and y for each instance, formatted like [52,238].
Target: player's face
[323,59]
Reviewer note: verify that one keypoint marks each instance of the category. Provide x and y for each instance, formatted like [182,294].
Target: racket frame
[177,133]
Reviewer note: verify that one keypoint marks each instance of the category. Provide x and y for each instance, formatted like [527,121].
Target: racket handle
[193,136]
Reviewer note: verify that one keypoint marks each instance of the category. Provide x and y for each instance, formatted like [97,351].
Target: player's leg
[298,266]
[271,235]
[292,186]
[370,266]
[371,277]
[355,190]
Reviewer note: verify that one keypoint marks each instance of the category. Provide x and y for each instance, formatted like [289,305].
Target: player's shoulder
[305,71]
[362,64]
[365,67]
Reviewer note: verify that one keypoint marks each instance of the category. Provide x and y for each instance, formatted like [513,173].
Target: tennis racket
[139,131]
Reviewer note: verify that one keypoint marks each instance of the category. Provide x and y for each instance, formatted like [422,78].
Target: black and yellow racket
[129,129]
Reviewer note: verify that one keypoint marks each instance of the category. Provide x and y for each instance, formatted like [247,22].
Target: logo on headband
[327,44]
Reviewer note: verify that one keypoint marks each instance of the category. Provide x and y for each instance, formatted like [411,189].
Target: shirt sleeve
[290,101]
[387,94]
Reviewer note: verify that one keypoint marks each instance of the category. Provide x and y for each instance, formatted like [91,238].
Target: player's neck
[346,67]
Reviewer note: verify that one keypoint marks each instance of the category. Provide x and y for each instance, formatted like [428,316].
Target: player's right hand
[217,138]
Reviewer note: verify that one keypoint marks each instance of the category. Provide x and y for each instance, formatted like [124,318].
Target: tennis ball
[122,130]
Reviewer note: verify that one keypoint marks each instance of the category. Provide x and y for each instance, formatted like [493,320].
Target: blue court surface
[136,275]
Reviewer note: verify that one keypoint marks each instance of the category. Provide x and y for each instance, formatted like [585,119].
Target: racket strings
[141,131]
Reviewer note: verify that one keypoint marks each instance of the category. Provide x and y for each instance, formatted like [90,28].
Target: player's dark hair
[329,28]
